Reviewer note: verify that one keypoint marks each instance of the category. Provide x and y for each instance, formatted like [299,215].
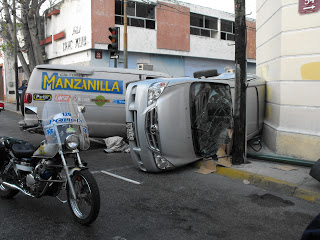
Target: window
[139,14]
[206,26]
[119,8]
[203,25]
[227,30]
[211,23]
[195,31]
[196,20]
[131,8]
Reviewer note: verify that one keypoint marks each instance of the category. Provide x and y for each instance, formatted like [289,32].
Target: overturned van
[173,122]
[100,90]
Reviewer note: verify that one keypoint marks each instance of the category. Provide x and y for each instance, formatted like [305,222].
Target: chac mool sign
[56,82]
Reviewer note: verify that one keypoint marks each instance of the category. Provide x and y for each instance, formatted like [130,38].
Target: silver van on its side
[176,121]
[101,90]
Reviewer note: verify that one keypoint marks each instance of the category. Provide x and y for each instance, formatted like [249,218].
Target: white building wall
[75,20]
[145,40]
[288,57]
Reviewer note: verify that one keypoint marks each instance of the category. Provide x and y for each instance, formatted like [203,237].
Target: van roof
[90,70]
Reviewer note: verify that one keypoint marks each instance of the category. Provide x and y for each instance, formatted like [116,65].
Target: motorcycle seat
[23,151]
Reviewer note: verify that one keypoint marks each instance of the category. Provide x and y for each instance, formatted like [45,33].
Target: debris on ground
[116,144]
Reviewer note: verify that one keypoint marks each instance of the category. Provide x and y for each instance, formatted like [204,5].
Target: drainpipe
[281,159]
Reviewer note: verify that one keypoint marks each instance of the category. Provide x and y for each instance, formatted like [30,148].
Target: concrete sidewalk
[12,107]
[293,180]
[290,179]
[287,179]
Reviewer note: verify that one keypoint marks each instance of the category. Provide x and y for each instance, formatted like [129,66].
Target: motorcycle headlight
[155,91]
[72,141]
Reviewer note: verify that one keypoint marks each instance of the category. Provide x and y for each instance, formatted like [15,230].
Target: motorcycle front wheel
[86,206]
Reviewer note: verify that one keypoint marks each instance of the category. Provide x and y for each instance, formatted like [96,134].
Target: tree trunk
[27,39]
[33,30]
[24,65]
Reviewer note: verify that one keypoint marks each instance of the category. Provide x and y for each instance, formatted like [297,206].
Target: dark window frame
[202,27]
[226,34]
[208,26]
[136,19]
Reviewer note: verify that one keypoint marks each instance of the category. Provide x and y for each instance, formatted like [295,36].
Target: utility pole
[15,53]
[125,35]
[239,139]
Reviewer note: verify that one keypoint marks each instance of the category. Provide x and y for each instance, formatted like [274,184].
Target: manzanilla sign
[56,82]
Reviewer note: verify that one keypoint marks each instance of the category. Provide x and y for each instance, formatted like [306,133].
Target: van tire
[206,73]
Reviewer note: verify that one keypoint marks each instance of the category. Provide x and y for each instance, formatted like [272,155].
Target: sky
[225,5]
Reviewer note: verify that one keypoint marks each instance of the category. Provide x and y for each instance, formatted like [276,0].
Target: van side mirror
[82,109]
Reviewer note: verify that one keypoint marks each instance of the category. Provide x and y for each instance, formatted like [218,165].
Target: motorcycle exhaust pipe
[12,186]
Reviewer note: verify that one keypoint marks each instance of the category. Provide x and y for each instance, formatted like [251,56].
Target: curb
[269,183]
[14,111]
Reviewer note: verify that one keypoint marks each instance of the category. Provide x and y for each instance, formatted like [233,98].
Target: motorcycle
[44,171]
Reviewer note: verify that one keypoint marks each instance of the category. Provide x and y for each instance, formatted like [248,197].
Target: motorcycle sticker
[65,120]
[49,131]
[66,114]
[41,150]
[70,130]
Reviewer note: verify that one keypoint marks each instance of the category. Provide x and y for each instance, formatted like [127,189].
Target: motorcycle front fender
[73,170]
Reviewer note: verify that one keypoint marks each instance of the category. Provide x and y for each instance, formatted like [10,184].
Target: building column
[288,56]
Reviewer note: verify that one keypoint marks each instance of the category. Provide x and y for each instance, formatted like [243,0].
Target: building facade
[288,57]
[168,36]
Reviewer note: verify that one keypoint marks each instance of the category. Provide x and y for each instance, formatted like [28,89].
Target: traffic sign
[309,6]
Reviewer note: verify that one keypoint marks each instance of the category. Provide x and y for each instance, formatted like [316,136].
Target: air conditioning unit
[230,70]
[144,66]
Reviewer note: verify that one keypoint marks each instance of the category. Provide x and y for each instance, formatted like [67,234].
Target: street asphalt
[283,178]
[179,204]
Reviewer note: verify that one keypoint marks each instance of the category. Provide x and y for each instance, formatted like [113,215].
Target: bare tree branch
[27,14]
